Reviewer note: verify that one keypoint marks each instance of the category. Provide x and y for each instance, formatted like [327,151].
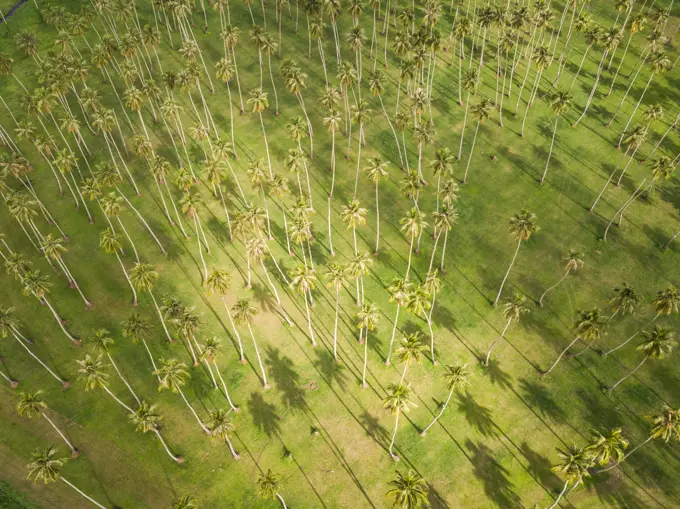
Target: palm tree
[268,486]
[399,290]
[110,242]
[442,166]
[522,227]
[397,402]
[634,141]
[10,325]
[333,121]
[92,374]
[412,225]
[173,376]
[410,352]
[589,326]
[608,445]
[138,329]
[376,171]
[665,426]
[32,405]
[367,319]
[219,282]
[512,311]
[658,64]
[143,277]
[260,102]
[244,314]
[431,287]
[657,344]
[456,378]
[145,418]
[667,302]
[559,102]
[469,83]
[574,262]
[45,467]
[190,204]
[353,215]
[101,341]
[625,301]
[185,502]
[337,278]
[210,351]
[408,491]
[480,112]
[304,281]
[574,465]
[220,427]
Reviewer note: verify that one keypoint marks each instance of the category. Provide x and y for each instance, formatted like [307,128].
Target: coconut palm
[190,204]
[220,427]
[412,225]
[625,301]
[353,215]
[269,485]
[146,418]
[138,329]
[397,402]
[187,323]
[559,102]
[337,278]
[456,378]
[665,425]
[366,320]
[219,282]
[589,327]
[666,303]
[210,351]
[607,446]
[173,376]
[10,325]
[399,290]
[430,287]
[512,311]
[574,464]
[333,121]
[101,341]
[410,351]
[480,112]
[303,281]
[657,344]
[244,314]
[376,171]
[143,277]
[92,374]
[522,227]
[185,502]
[574,262]
[45,467]
[409,491]
[443,222]
[32,405]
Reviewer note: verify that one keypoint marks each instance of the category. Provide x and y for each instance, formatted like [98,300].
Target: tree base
[75,454]
[423,433]
[66,385]
[13,384]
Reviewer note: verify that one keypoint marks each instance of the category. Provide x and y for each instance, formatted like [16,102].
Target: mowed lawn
[496,443]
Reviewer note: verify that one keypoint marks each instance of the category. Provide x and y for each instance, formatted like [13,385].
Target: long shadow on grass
[493,475]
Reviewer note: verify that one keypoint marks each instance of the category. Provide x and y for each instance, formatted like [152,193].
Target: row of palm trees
[419,298]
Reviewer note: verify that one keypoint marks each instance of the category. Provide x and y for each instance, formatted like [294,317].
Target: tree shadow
[539,466]
[333,372]
[286,379]
[264,415]
[538,396]
[435,500]
[374,429]
[497,376]
[478,416]
[494,476]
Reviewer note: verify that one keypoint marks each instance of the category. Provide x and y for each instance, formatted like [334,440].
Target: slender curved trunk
[160,315]
[108,391]
[200,422]
[462,132]
[488,354]
[472,149]
[83,494]
[224,387]
[630,373]
[309,320]
[410,255]
[335,324]
[562,355]
[63,437]
[649,439]
[363,373]
[632,337]
[512,262]
[552,143]
[127,278]
[559,497]
[60,322]
[540,301]
[632,115]
[394,434]
[177,459]
[283,502]
[259,359]
[441,412]
[54,375]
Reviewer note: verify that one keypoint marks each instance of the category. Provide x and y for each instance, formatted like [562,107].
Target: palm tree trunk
[561,355]
[276,294]
[632,337]
[178,459]
[309,320]
[394,331]
[649,439]
[540,301]
[335,325]
[552,142]
[671,240]
[632,115]
[363,374]
[488,354]
[108,391]
[283,502]
[83,494]
[234,454]
[394,435]
[472,149]
[462,132]
[441,412]
[259,359]
[127,278]
[160,315]
[266,146]
[224,387]
[74,451]
[64,383]
[559,497]
[410,254]
[60,322]
[200,422]
[630,373]
[233,327]
[512,262]
[592,91]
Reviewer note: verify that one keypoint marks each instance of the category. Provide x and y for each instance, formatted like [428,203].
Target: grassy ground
[495,445]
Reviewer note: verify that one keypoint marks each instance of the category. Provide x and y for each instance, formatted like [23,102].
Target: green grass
[11,499]
[495,445]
